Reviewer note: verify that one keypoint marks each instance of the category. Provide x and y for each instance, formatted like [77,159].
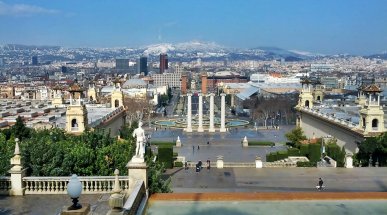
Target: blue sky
[328,27]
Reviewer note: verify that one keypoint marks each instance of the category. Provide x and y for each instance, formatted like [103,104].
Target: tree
[296,136]
[20,130]
[156,183]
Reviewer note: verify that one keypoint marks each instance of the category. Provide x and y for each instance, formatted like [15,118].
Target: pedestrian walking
[198,147]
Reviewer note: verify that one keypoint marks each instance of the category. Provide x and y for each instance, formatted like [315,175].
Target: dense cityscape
[241,120]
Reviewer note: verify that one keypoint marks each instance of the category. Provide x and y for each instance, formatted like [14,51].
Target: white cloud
[23,10]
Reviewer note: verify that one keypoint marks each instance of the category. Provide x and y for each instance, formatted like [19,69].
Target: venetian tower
[318,92]
[371,114]
[361,97]
[58,100]
[117,98]
[306,98]
[76,113]
[92,93]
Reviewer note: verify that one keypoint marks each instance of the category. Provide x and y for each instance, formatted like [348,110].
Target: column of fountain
[189,113]
[223,113]
[211,129]
[200,127]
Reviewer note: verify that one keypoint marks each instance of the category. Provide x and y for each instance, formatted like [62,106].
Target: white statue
[140,141]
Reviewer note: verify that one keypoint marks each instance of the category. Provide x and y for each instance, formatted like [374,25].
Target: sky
[326,27]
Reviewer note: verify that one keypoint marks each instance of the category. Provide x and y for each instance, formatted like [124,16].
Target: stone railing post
[258,162]
[348,161]
[116,200]
[178,142]
[245,143]
[219,162]
[17,173]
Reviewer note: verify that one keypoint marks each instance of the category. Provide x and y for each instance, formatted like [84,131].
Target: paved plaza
[279,180]
[226,144]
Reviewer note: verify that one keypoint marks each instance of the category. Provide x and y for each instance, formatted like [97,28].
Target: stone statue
[140,141]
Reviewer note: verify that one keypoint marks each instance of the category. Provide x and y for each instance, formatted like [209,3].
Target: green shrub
[261,143]
[282,155]
[165,155]
[271,157]
[162,143]
[175,154]
[178,164]
[293,152]
[304,150]
[336,154]
[306,164]
[314,152]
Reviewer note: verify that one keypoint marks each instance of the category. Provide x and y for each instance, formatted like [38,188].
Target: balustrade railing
[58,185]
[5,185]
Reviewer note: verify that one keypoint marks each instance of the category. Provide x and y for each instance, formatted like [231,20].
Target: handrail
[58,185]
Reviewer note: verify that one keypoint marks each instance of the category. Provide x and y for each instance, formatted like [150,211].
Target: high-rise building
[34,60]
[122,64]
[144,65]
[163,63]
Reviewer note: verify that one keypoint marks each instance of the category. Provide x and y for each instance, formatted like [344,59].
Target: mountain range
[187,51]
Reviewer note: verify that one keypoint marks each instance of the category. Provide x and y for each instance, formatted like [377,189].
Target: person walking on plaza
[198,147]
[320,184]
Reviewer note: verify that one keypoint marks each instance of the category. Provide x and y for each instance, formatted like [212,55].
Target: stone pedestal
[189,113]
[17,173]
[219,162]
[245,143]
[137,170]
[348,161]
[200,127]
[83,211]
[178,142]
[258,163]
[211,128]
[223,113]
[116,200]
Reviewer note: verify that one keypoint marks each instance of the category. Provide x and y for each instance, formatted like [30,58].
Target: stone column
[200,127]
[116,200]
[17,173]
[189,113]
[223,113]
[232,99]
[211,129]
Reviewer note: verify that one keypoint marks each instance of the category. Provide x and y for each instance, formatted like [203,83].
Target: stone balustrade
[58,185]
[5,185]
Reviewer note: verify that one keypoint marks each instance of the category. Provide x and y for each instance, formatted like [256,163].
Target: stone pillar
[17,173]
[245,143]
[223,113]
[178,142]
[116,200]
[232,100]
[189,113]
[137,171]
[211,129]
[219,162]
[258,162]
[348,161]
[200,127]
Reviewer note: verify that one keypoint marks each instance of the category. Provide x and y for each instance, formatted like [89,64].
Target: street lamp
[74,190]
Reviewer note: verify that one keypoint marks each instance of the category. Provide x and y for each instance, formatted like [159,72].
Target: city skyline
[328,27]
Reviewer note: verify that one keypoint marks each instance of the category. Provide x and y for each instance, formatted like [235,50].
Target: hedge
[178,164]
[162,143]
[314,152]
[293,152]
[165,155]
[175,154]
[261,143]
[282,155]
[304,150]
[274,156]
[306,164]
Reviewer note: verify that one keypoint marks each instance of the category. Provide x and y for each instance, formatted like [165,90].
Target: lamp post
[74,189]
